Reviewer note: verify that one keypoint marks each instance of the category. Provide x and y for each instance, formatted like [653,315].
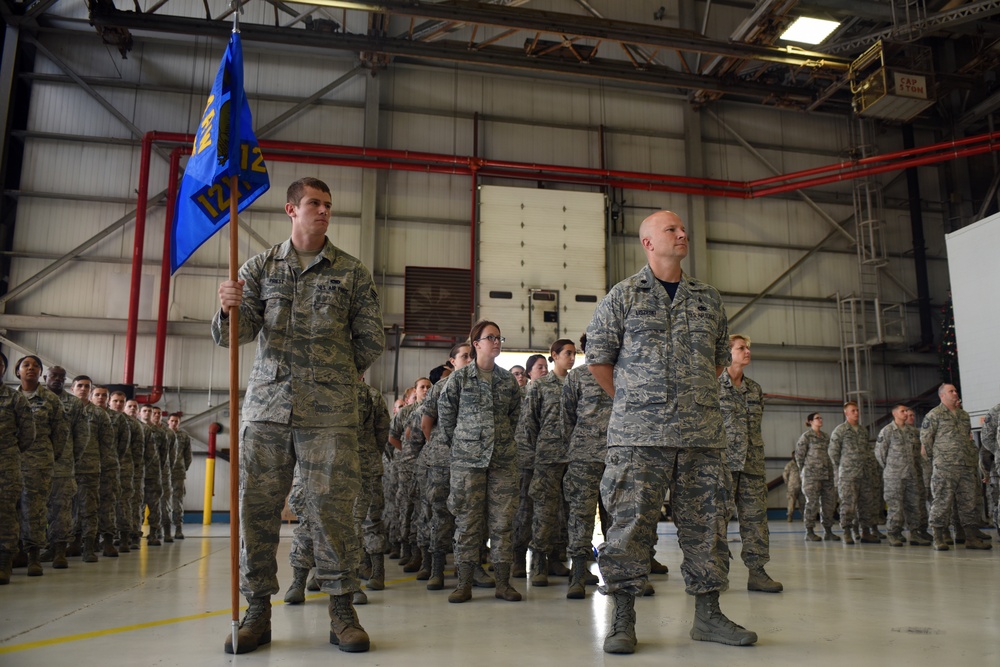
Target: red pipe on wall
[137,246]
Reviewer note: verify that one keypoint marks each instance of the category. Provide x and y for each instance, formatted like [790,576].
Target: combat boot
[296,593]
[539,569]
[359,597]
[6,565]
[416,559]
[504,590]
[345,629]
[647,589]
[830,536]
[255,628]
[895,539]
[971,542]
[848,536]
[123,544]
[924,535]
[656,567]
[577,589]
[20,557]
[47,554]
[376,582]
[481,578]
[167,537]
[152,540]
[365,569]
[811,535]
[424,573]
[436,581]
[518,569]
[59,561]
[89,550]
[759,580]
[136,541]
[917,540]
[404,555]
[463,592]
[621,636]
[979,535]
[557,568]
[395,551]
[947,537]
[311,583]
[34,564]
[109,546]
[940,542]
[711,625]
[868,537]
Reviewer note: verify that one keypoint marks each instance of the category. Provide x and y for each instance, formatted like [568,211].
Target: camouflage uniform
[793,486]
[525,515]
[373,433]
[168,454]
[317,330]
[389,515]
[37,463]
[60,518]
[947,438]
[17,432]
[813,458]
[897,454]
[153,481]
[912,435]
[586,409]
[88,473]
[137,447]
[541,420]
[665,430]
[301,556]
[988,436]
[404,461]
[182,461]
[742,411]
[437,455]
[853,458]
[110,488]
[126,472]
[478,420]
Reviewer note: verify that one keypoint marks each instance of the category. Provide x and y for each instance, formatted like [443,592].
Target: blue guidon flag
[224,146]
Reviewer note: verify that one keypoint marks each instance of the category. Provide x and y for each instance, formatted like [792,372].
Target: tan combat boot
[711,625]
[504,591]
[940,542]
[539,569]
[345,629]
[463,592]
[621,635]
[255,628]
[296,593]
[759,580]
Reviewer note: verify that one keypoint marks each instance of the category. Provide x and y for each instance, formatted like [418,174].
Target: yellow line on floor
[42,643]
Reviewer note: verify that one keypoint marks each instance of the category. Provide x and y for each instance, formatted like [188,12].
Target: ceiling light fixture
[806,30]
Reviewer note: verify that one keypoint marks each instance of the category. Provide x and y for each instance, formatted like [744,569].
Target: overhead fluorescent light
[806,30]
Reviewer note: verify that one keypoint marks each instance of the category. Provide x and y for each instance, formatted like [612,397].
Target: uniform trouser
[581,489]
[406,500]
[423,511]
[85,504]
[749,497]
[793,495]
[61,509]
[331,480]
[875,498]
[10,491]
[389,515]
[821,500]
[152,495]
[109,497]
[35,491]
[368,514]
[633,488]
[525,510]
[856,501]
[955,489]
[301,554]
[442,530]
[546,493]
[166,501]
[177,499]
[904,500]
[483,501]
[126,500]
[138,502]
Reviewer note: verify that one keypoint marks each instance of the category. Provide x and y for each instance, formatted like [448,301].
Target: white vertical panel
[540,239]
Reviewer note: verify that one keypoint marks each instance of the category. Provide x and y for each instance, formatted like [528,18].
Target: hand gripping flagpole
[234,397]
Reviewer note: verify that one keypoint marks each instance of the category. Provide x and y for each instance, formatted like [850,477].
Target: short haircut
[737,336]
[95,387]
[849,404]
[298,188]
[119,393]
[80,378]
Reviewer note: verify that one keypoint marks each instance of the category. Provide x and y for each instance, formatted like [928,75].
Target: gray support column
[10,43]
[370,177]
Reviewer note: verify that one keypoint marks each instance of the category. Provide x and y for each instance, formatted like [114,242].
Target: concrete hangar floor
[842,605]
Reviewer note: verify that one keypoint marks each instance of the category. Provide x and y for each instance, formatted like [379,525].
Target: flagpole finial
[237,8]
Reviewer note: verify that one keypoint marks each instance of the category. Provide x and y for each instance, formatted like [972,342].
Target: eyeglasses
[493,339]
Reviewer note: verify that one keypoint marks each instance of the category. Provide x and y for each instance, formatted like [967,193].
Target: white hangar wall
[81,171]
